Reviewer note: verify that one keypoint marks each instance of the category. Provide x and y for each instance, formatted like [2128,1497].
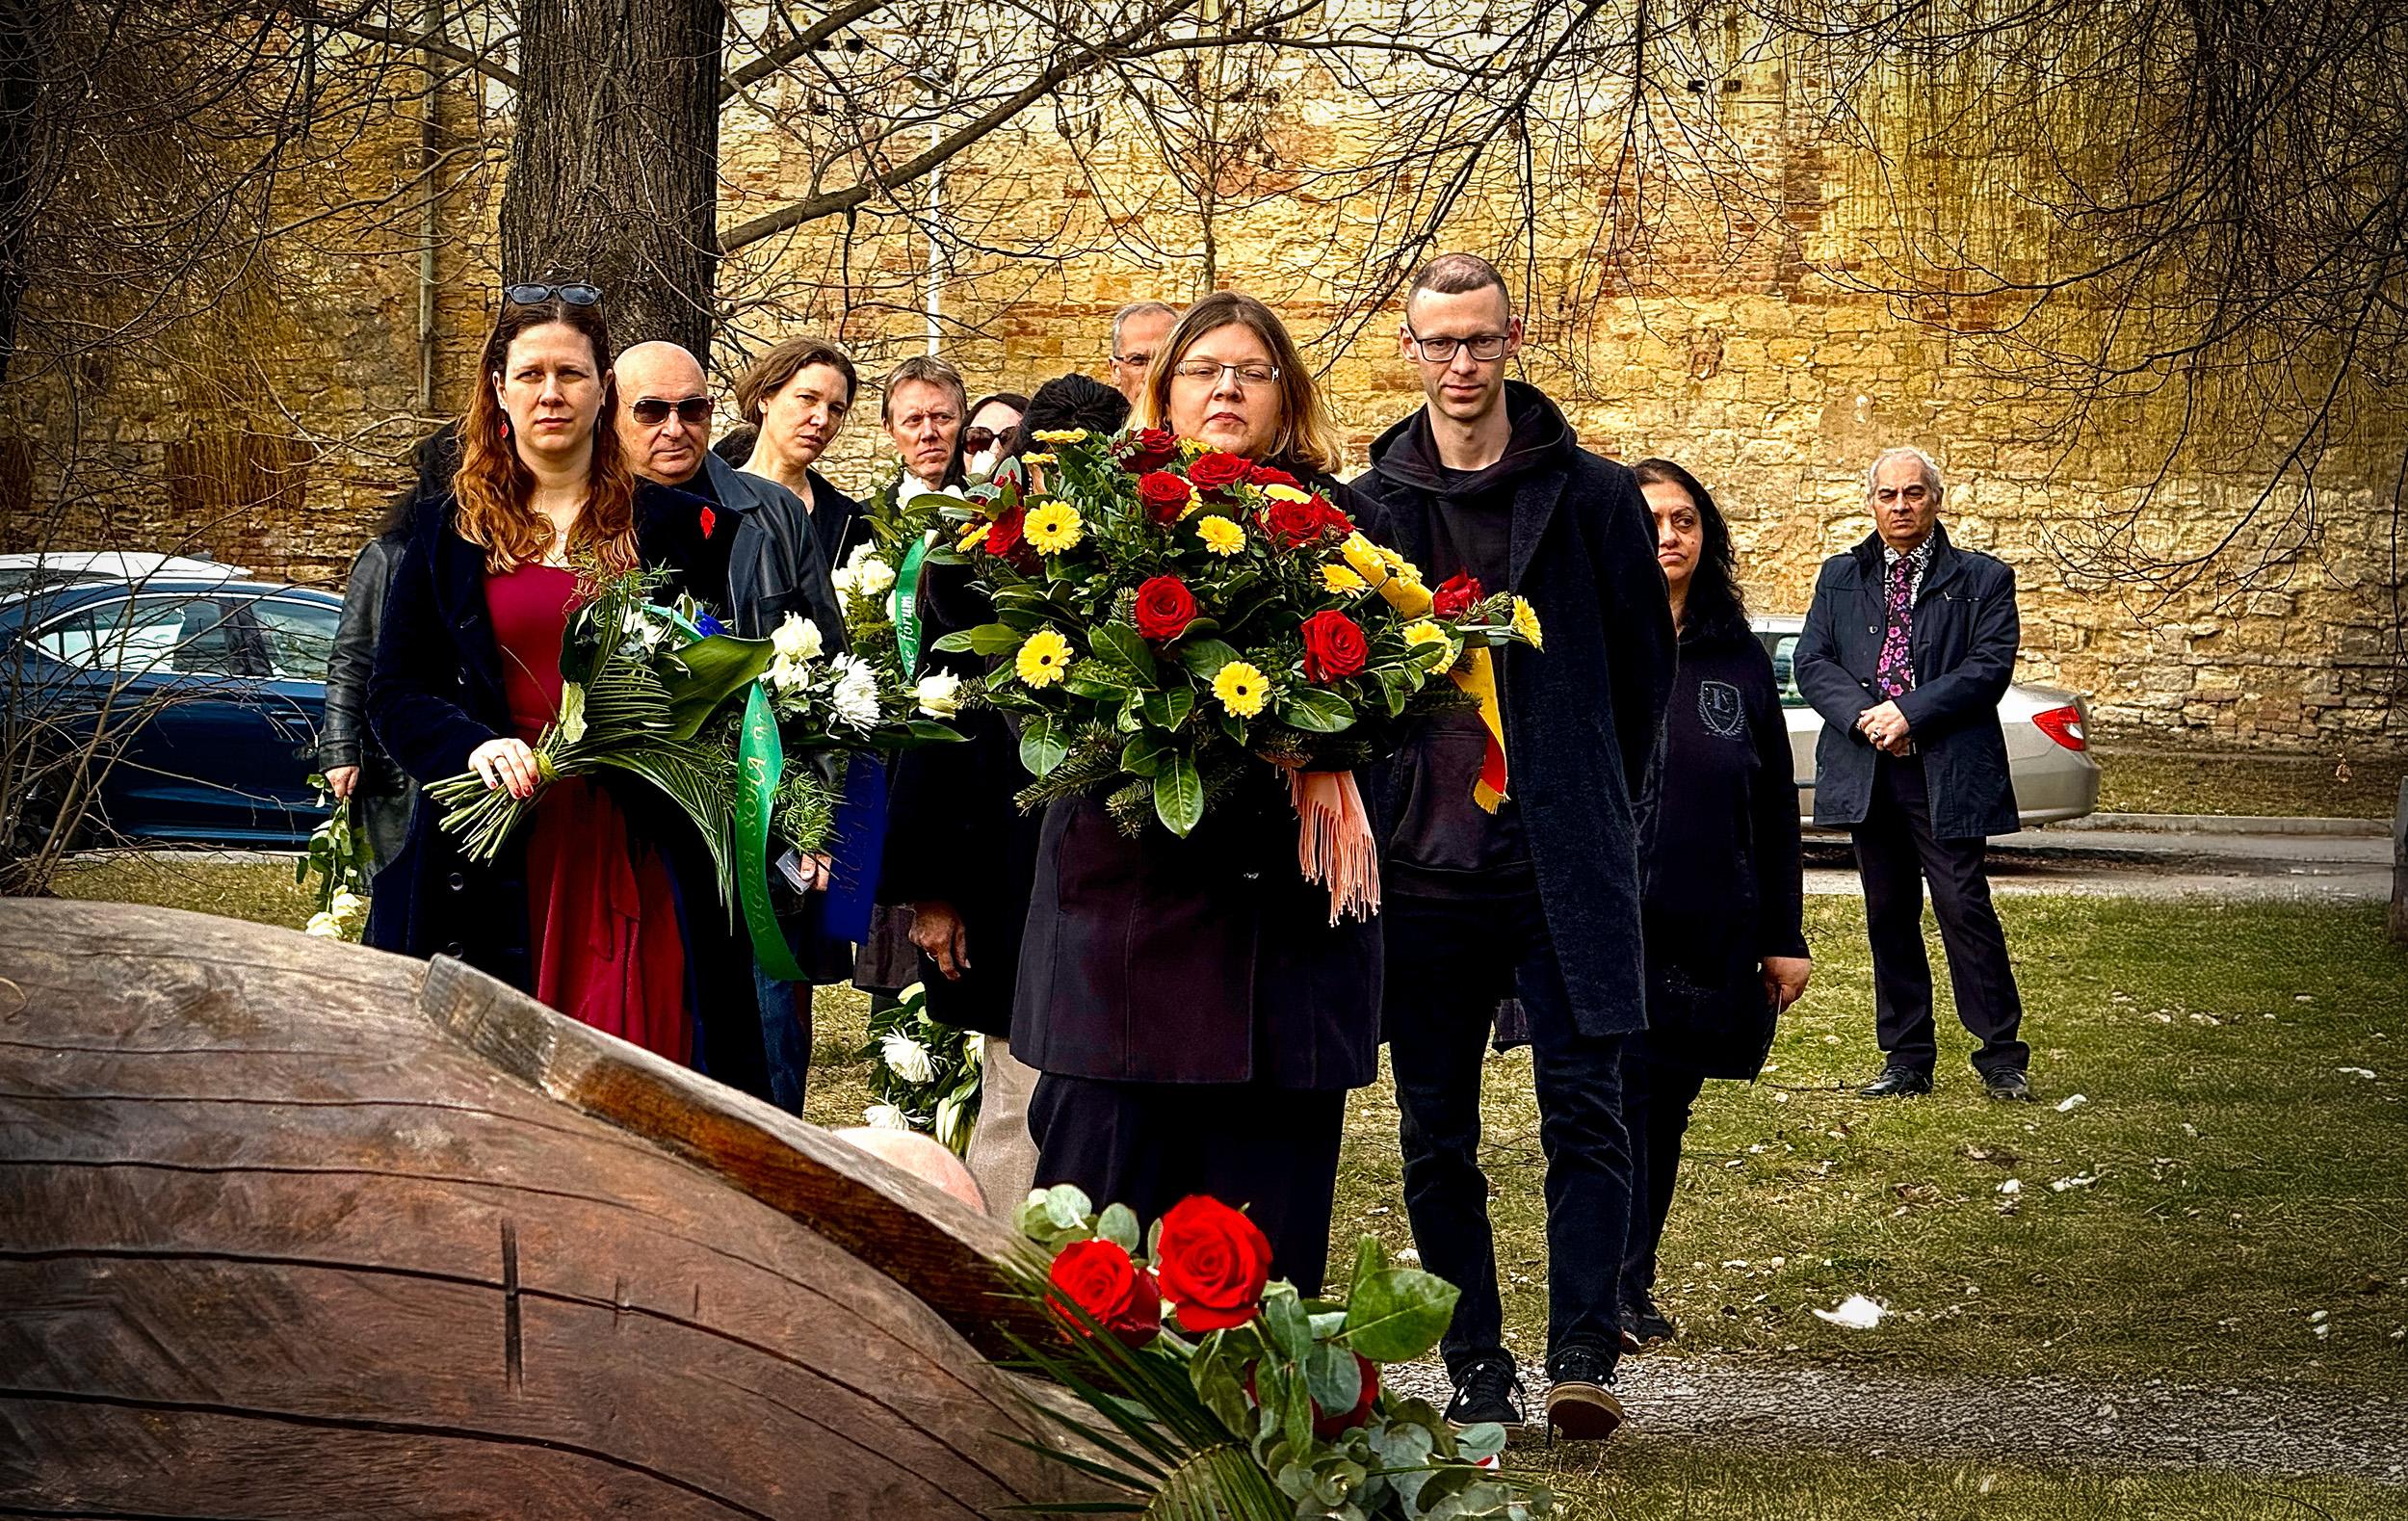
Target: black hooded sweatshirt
[1444,845]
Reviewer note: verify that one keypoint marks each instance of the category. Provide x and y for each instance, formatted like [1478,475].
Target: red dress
[602,917]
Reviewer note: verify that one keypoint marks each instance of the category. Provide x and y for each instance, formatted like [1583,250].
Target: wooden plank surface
[275,1242]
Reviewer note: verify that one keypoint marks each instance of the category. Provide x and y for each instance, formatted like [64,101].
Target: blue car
[208,697]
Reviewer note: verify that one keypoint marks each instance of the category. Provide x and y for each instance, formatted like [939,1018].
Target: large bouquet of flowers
[1169,616]
[1211,1391]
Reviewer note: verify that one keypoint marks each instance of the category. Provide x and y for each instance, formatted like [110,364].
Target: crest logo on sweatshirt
[1718,708]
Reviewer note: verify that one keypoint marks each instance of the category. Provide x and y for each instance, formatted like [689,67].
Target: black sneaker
[1578,1404]
[1644,1326]
[2008,1083]
[1896,1082]
[1487,1392]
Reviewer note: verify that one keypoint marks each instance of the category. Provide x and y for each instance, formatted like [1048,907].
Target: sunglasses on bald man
[652,412]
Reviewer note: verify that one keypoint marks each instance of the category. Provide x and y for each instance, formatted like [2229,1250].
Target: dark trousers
[786,1038]
[1896,855]
[1447,966]
[1270,1152]
[1657,1097]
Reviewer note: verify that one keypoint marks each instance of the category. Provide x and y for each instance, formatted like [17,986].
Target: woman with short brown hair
[797,395]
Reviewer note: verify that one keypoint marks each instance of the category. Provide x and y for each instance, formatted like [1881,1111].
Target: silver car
[2048,747]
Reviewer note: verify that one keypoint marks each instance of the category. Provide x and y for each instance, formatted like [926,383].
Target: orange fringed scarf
[1334,843]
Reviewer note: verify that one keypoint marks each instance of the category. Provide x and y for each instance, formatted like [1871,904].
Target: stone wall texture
[272,429]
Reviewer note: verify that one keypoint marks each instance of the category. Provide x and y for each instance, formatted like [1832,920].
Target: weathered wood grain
[295,1228]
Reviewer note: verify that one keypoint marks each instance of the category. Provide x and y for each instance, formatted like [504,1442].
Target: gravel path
[2269,1428]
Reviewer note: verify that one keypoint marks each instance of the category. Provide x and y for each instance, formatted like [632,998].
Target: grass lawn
[2231,1174]
[2362,786]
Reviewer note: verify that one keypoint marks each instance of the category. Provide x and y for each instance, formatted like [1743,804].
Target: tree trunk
[614,167]
[22,32]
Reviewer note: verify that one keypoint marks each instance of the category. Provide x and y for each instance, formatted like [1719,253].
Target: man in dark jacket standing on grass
[1909,645]
[1540,900]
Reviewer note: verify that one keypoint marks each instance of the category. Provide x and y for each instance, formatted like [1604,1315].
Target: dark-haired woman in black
[1726,947]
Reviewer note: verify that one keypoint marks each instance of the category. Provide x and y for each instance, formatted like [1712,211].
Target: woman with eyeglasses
[993,432]
[587,905]
[1196,1017]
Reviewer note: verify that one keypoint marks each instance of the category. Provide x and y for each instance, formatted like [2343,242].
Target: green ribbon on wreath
[907,607]
[760,763]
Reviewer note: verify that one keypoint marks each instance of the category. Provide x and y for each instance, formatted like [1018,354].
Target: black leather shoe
[1644,1326]
[1487,1392]
[1578,1404]
[2008,1083]
[1896,1082]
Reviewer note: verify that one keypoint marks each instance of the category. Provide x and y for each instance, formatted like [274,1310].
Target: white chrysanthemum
[884,1117]
[855,695]
[939,695]
[797,638]
[871,575]
[905,1056]
[323,924]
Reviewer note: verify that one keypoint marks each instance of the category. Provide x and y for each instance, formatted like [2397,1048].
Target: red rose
[1213,471]
[1165,608]
[1166,496]
[1098,1278]
[1272,475]
[1002,535]
[1455,597]
[1212,1262]
[1148,449]
[707,518]
[1326,1427]
[1298,523]
[1334,646]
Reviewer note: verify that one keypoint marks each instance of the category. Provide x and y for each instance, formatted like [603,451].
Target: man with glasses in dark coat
[1909,644]
[1488,491]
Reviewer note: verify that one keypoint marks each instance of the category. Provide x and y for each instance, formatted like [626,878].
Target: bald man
[774,569]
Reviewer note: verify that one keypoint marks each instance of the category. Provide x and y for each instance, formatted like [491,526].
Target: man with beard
[1487,490]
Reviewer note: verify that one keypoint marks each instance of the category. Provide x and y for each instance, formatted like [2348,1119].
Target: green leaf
[1123,644]
[1297,1416]
[703,677]
[572,718]
[1041,750]
[928,731]
[1314,711]
[1100,682]
[1143,756]
[988,638]
[1205,656]
[1283,1316]
[1118,1225]
[1068,1206]
[1179,794]
[1371,1256]
[1335,1377]
[1169,708]
[1398,1313]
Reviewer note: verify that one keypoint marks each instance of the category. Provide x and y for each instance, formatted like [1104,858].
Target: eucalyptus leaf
[1118,1225]
[1335,1377]
[1066,1205]
[1398,1314]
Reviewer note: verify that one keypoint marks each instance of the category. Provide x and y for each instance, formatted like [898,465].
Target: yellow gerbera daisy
[1339,581]
[1422,631]
[1526,623]
[1043,658]
[1241,688]
[1192,447]
[1220,536]
[1060,435]
[1034,457]
[971,533]
[1053,526]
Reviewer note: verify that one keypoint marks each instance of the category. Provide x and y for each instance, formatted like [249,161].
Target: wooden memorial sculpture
[290,1229]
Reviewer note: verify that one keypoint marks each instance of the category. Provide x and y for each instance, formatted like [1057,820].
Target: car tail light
[2063,726]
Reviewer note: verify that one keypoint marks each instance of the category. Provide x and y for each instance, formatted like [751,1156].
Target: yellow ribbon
[1475,675]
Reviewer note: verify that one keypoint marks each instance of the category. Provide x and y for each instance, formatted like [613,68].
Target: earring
[506,427]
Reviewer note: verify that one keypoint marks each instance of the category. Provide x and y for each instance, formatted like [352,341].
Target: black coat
[952,831]
[383,795]
[1583,716]
[774,561]
[1208,959]
[1962,643]
[436,694]
[1724,879]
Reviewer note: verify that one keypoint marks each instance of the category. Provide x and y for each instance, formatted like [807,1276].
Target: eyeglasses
[1210,370]
[1486,347]
[1134,361]
[978,440]
[652,412]
[578,295]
